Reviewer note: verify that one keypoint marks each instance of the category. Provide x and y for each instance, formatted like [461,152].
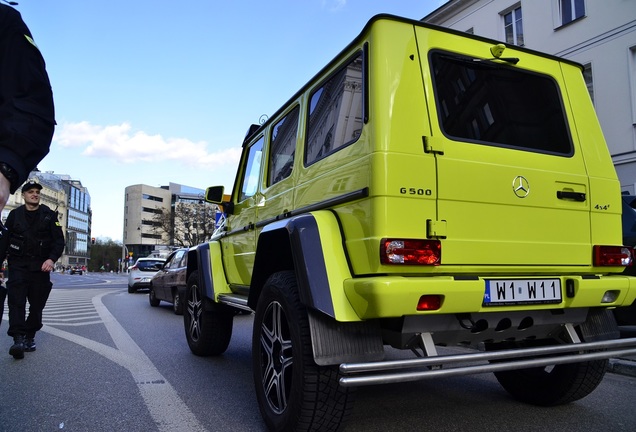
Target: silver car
[142,272]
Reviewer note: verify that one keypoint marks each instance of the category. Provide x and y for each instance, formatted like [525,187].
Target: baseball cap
[30,185]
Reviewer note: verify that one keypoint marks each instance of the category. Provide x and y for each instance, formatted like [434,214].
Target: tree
[106,253]
[189,224]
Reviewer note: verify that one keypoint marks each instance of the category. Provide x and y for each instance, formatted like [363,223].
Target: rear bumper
[384,372]
[396,296]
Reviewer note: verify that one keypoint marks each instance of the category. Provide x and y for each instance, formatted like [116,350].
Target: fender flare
[199,261]
[311,245]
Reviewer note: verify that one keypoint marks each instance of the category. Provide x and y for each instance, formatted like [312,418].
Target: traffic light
[93,240]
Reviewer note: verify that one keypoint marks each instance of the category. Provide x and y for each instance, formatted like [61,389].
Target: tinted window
[283,146]
[491,103]
[335,112]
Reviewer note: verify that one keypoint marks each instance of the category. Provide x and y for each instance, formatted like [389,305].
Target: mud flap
[336,342]
[600,325]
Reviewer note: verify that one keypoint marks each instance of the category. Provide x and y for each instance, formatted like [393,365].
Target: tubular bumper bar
[393,371]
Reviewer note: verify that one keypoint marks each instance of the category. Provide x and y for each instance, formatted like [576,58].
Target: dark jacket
[27,245]
[27,116]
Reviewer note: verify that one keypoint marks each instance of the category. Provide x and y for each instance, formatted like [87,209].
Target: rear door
[512,187]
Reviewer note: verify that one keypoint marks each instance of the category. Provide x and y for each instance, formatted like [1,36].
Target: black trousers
[23,285]
[3,295]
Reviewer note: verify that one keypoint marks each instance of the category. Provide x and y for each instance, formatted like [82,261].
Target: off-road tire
[293,393]
[152,298]
[208,325]
[558,385]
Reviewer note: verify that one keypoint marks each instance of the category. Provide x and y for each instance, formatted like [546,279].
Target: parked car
[141,273]
[169,283]
[627,315]
[77,269]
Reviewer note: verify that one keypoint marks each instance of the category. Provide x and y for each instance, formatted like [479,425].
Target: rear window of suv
[486,102]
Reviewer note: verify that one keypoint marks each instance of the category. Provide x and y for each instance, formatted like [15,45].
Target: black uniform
[32,237]
[27,117]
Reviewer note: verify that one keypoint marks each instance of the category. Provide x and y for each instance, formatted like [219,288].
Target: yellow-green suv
[426,188]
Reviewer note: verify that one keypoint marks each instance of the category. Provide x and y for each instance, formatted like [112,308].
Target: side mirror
[214,194]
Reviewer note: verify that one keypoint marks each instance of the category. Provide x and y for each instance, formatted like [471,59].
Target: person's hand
[48,265]
[5,187]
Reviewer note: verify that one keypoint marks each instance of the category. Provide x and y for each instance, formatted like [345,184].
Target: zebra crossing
[70,307]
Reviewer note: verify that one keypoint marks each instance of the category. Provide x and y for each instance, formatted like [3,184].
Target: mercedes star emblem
[520,186]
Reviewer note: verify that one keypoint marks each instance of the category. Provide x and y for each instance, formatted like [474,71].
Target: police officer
[27,117]
[33,243]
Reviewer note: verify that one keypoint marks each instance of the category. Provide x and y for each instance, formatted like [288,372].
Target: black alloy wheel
[293,392]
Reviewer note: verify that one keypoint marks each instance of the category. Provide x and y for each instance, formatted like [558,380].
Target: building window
[632,79]
[571,10]
[513,26]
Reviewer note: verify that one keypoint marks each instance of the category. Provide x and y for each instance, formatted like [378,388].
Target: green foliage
[106,253]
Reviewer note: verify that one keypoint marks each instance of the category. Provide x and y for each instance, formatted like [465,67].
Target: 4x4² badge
[521,187]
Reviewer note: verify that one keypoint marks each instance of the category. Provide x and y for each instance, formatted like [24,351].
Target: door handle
[574,196]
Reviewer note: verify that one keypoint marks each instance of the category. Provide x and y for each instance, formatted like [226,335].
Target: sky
[159,92]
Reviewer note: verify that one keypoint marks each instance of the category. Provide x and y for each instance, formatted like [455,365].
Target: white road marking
[167,409]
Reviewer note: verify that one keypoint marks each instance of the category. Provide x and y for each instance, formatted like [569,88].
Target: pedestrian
[27,115]
[32,244]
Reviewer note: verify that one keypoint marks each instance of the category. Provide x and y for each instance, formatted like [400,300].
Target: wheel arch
[198,261]
[311,245]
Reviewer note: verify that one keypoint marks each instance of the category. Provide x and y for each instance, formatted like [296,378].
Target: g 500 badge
[416,191]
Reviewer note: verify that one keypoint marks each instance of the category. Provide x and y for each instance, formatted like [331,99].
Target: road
[107,361]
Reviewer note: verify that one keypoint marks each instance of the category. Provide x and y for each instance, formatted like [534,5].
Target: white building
[599,34]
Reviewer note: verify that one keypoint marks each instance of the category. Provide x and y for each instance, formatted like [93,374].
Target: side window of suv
[249,184]
[335,112]
[283,145]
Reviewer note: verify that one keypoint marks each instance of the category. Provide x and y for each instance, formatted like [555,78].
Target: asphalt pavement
[625,365]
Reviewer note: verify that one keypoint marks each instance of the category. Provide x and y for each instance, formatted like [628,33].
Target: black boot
[29,344]
[17,349]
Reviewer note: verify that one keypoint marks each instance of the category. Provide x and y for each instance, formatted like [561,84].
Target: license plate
[509,292]
[145,279]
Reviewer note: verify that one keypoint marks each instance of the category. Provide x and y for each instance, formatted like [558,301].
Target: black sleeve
[57,237]
[27,115]
[4,240]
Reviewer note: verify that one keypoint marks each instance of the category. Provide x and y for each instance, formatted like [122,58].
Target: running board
[385,372]
[235,300]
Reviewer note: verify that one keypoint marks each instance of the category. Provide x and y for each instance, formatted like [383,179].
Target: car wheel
[208,325]
[131,290]
[177,305]
[293,392]
[564,383]
[152,297]
[553,386]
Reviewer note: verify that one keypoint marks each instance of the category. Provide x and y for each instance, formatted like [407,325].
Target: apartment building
[165,217]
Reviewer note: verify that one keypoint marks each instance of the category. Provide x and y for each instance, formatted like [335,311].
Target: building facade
[72,202]
[600,35]
[162,218]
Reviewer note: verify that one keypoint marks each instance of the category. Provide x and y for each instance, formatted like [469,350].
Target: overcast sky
[153,92]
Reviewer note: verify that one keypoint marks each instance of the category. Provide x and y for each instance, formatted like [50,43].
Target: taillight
[418,252]
[429,302]
[613,256]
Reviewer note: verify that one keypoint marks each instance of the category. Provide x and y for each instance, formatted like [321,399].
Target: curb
[622,367]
